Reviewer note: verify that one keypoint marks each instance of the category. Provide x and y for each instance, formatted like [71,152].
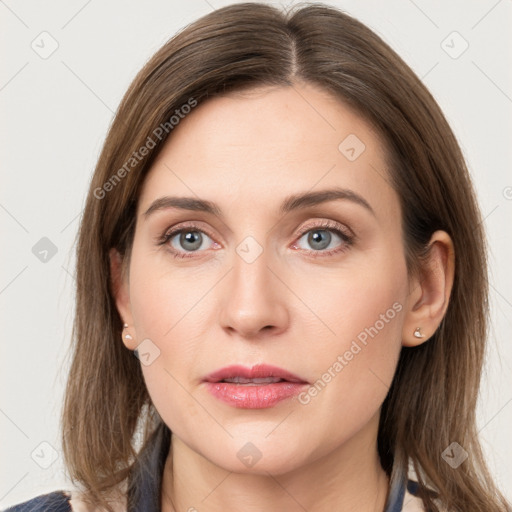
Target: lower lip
[250,396]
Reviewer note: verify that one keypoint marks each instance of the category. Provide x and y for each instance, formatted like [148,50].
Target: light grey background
[56,111]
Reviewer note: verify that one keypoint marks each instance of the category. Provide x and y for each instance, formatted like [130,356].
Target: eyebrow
[291,203]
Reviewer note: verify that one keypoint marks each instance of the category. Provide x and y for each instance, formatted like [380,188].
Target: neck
[349,478]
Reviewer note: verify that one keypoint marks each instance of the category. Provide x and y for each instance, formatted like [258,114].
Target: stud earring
[417,333]
[127,336]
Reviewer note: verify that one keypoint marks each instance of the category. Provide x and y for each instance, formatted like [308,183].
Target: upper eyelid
[327,225]
[191,225]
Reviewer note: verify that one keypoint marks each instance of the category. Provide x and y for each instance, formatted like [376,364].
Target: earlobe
[120,292]
[430,291]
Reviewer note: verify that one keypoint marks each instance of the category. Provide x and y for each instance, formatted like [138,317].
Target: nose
[253,302]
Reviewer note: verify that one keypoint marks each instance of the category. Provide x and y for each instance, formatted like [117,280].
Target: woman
[282,229]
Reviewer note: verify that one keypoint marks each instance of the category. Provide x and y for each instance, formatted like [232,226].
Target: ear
[121,293]
[430,291]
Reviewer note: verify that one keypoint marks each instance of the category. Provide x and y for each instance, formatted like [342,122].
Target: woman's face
[316,288]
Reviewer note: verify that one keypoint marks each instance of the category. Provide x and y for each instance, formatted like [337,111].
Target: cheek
[166,307]
[162,297]
[164,320]
[356,358]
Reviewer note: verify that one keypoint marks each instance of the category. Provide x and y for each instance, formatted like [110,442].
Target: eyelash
[348,239]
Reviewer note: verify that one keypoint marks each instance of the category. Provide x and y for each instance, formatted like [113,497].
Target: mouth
[253,382]
[259,387]
[258,375]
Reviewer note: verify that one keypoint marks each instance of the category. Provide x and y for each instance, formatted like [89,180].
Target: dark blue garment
[55,501]
[147,473]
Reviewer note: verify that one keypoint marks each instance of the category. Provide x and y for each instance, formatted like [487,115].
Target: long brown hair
[433,396]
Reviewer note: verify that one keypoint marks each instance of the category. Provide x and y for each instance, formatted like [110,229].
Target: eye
[184,241]
[329,235]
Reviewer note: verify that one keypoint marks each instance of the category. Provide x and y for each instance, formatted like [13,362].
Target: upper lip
[257,371]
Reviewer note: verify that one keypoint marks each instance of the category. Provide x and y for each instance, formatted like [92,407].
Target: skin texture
[247,153]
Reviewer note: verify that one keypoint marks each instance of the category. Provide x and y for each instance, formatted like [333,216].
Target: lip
[253,396]
[257,371]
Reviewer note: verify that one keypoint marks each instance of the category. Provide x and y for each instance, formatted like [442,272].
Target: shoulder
[64,501]
[56,501]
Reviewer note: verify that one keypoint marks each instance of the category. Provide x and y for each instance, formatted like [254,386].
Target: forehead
[257,146]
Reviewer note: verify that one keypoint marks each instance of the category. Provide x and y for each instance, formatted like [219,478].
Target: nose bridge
[254,298]
[251,276]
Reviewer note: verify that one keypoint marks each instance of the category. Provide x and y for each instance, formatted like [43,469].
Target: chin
[260,458]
